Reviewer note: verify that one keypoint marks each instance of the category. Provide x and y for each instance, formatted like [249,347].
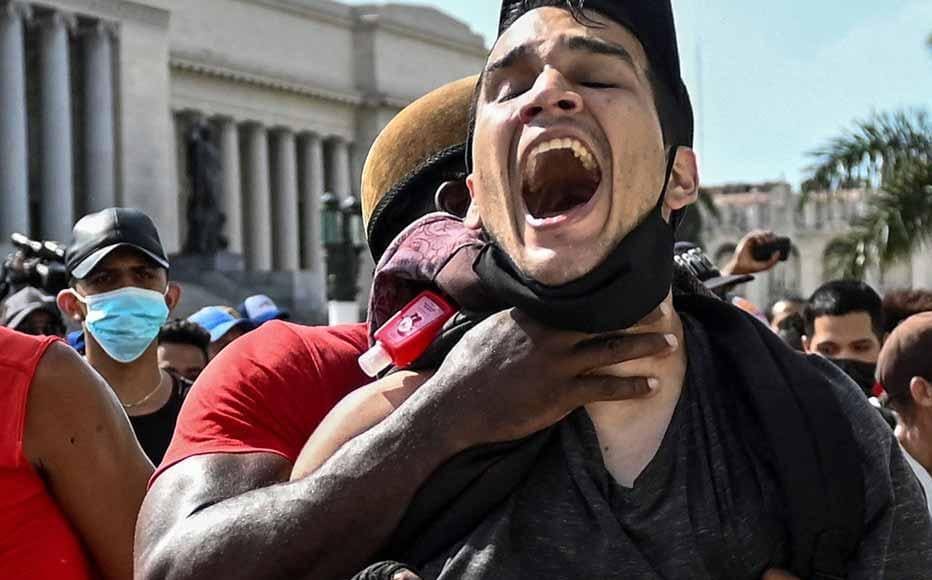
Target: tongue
[556,200]
[556,182]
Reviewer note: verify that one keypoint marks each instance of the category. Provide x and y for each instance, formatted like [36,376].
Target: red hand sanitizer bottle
[406,335]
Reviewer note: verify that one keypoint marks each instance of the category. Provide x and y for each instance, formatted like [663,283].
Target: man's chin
[555,267]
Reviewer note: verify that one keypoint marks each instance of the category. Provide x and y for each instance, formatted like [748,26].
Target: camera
[40,264]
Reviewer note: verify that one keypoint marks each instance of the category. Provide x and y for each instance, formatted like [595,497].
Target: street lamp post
[343,239]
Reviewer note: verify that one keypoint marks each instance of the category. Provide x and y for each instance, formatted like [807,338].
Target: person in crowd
[183,349]
[581,159]
[898,305]
[904,371]
[260,309]
[844,323]
[791,330]
[72,476]
[224,326]
[844,320]
[252,411]
[31,311]
[121,295]
[789,306]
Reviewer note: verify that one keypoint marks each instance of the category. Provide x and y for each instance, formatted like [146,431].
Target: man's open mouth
[559,176]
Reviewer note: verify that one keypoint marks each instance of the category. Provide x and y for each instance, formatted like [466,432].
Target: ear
[453,197]
[921,391]
[806,343]
[472,220]
[173,295]
[71,307]
[683,188]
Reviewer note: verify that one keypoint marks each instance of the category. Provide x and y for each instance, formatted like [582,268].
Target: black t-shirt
[706,507]
[154,431]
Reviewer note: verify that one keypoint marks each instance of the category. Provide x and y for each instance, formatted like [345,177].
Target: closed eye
[511,95]
[597,85]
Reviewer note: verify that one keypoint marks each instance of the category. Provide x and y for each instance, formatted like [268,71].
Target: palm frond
[897,220]
[871,154]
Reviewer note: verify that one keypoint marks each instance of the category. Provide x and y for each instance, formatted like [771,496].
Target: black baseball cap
[97,234]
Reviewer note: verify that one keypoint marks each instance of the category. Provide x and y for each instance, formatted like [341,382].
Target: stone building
[774,206]
[97,98]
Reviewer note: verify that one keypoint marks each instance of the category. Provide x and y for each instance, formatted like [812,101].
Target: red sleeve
[268,391]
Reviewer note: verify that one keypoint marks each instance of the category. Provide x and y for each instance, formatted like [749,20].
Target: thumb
[406,575]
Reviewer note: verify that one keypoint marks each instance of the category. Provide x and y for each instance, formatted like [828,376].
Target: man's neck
[916,439]
[130,381]
[630,432]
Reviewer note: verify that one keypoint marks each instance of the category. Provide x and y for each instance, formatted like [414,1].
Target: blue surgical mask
[124,322]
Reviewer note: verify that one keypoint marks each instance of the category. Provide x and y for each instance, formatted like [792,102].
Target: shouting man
[581,159]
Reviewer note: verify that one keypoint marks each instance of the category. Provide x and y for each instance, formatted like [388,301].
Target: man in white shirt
[905,372]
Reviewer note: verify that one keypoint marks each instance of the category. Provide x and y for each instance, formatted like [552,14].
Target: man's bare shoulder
[67,398]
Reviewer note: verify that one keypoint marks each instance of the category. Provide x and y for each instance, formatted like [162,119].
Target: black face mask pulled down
[627,286]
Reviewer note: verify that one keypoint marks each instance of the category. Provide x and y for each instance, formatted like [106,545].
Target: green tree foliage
[890,155]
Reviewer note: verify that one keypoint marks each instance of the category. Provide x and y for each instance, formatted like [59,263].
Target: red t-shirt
[268,391]
[36,540]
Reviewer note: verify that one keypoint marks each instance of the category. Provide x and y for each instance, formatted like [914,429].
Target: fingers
[597,388]
[596,353]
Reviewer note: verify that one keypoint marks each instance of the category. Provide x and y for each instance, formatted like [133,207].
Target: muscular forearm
[323,526]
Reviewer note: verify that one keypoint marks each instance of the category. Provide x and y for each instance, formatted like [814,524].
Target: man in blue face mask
[121,295]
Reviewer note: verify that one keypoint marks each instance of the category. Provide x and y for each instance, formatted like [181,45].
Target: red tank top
[36,541]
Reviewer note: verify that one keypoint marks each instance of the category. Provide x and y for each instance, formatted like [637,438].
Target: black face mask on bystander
[860,372]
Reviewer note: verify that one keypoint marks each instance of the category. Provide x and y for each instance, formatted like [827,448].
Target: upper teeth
[576,146]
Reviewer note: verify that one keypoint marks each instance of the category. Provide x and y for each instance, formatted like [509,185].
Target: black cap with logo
[97,234]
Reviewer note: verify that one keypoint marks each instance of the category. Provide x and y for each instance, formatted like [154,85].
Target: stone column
[340,165]
[285,178]
[99,143]
[258,200]
[57,185]
[14,169]
[232,183]
[312,189]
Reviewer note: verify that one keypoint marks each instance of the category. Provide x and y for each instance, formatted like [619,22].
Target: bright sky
[780,78]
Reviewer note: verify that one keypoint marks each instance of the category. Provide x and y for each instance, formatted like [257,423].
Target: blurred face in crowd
[215,347]
[850,337]
[42,323]
[185,360]
[568,147]
[783,310]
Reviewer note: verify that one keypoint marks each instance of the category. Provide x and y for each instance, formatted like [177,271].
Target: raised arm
[79,438]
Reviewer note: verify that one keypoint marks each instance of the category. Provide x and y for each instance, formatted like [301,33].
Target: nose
[551,95]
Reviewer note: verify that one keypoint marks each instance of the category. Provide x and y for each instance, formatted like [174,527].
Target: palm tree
[890,155]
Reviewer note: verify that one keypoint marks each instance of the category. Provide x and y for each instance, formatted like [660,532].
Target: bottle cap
[375,360]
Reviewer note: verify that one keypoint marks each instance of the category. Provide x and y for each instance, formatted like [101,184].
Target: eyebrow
[510,59]
[575,43]
[598,46]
